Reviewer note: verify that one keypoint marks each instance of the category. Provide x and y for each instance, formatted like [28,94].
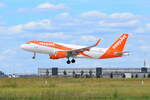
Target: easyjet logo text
[119,41]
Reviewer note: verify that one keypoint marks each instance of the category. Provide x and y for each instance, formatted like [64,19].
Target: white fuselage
[93,53]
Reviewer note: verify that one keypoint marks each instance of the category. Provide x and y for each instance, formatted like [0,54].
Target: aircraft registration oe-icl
[60,50]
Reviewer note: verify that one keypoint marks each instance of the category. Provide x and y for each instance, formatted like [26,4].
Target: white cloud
[65,20]
[98,14]
[8,30]
[120,24]
[6,54]
[122,15]
[144,28]
[66,23]
[2,57]
[85,40]
[9,51]
[46,24]
[42,8]
[93,14]
[148,26]
[51,6]
[35,25]
[23,10]
[65,14]
[50,35]
[145,48]
[2,5]
[29,27]
[89,38]
[16,29]
[2,24]
[139,30]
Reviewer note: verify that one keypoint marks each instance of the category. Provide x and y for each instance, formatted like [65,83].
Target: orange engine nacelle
[58,55]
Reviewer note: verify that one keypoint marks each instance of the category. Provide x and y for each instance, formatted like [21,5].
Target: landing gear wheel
[34,55]
[68,61]
[73,61]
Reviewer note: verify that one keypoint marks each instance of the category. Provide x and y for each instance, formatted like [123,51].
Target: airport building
[99,72]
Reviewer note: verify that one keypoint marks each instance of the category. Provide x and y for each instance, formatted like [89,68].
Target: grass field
[74,89]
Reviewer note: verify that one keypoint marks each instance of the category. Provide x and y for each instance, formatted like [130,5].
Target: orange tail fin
[116,49]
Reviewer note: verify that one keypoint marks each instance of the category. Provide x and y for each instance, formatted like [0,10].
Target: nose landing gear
[34,55]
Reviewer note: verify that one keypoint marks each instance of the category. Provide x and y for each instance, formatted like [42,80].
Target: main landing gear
[72,61]
[34,55]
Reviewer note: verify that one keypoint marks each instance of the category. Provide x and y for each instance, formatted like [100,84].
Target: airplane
[60,50]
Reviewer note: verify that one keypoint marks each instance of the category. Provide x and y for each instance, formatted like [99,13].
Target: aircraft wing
[75,52]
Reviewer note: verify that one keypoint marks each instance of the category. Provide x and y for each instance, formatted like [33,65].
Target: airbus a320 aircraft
[59,50]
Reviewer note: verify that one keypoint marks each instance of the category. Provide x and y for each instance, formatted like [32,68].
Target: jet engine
[58,55]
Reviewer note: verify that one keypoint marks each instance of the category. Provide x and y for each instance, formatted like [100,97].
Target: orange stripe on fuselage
[56,46]
[50,44]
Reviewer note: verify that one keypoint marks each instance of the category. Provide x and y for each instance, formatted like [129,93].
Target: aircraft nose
[23,46]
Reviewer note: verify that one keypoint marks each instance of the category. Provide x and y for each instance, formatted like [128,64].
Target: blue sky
[75,22]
